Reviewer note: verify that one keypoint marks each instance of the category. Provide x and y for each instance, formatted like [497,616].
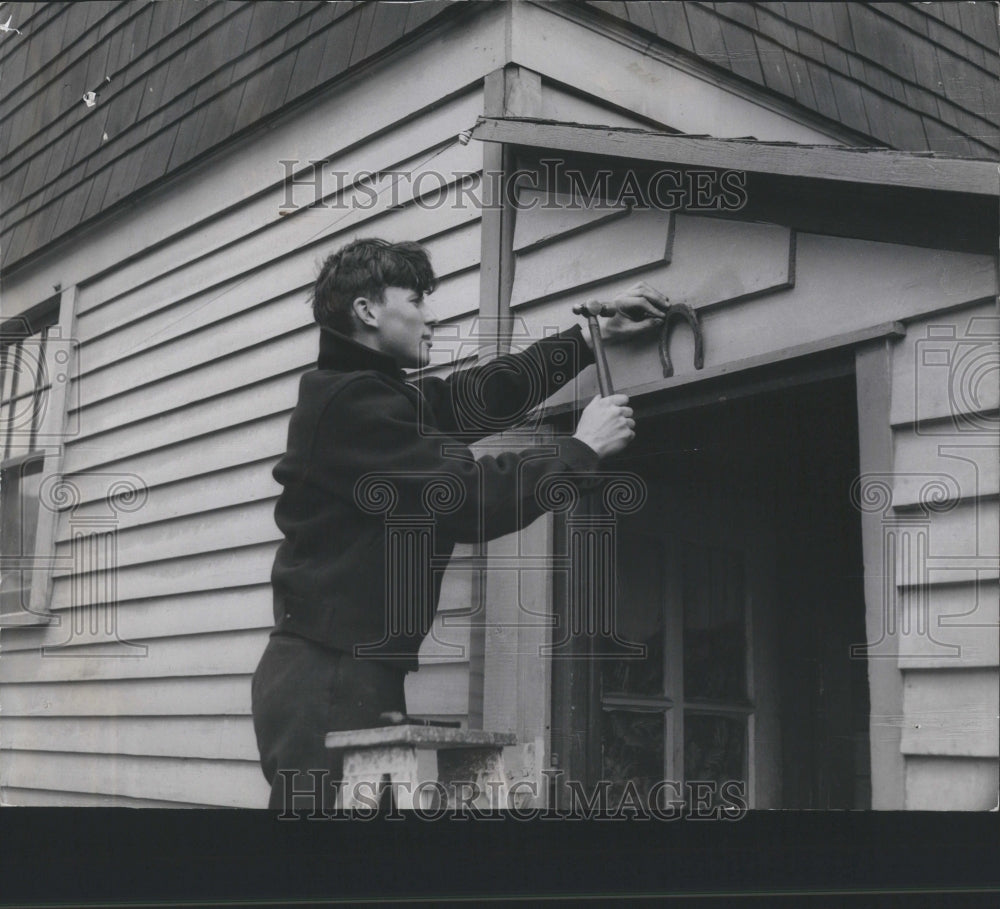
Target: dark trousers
[301,691]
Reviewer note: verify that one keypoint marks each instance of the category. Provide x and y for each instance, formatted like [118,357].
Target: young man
[364,444]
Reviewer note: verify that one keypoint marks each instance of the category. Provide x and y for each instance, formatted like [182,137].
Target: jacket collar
[337,351]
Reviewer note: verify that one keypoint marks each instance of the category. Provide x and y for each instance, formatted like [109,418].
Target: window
[682,712]
[35,363]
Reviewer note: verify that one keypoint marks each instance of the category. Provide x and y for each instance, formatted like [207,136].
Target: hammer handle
[601,361]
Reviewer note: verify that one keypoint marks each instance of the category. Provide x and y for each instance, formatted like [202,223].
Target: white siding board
[949,364]
[238,609]
[961,544]
[438,690]
[543,216]
[207,345]
[951,713]
[212,737]
[180,696]
[607,249]
[947,626]
[202,572]
[932,469]
[237,486]
[558,104]
[47,798]
[260,400]
[951,784]
[282,354]
[227,653]
[205,532]
[226,448]
[227,784]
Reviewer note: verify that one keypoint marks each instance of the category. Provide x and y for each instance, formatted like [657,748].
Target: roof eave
[884,167]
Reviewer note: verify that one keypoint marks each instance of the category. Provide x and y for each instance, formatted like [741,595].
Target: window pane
[638,618]
[714,624]
[632,749]
[715,747]
[19,488]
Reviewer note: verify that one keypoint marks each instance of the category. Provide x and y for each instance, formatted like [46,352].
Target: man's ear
[364,312]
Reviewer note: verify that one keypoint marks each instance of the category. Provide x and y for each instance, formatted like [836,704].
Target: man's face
[404,327]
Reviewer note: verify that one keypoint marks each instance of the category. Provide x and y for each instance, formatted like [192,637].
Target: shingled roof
[170,81]
[173,81]
[916,76]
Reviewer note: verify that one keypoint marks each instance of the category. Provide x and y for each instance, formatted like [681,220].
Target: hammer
[592,309]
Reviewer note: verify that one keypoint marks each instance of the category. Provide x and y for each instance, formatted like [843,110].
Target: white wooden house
[813,570]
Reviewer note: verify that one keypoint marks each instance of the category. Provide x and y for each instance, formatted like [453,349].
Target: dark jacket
[379,485]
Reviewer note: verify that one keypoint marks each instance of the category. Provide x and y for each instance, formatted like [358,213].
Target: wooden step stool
[410,755]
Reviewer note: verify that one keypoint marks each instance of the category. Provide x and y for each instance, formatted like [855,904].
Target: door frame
[574,683]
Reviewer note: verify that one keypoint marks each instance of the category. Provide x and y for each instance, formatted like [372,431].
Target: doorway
[739,594]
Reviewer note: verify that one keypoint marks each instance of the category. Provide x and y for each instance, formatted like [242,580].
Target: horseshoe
[675,312]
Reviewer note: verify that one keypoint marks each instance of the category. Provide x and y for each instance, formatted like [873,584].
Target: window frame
[54,318]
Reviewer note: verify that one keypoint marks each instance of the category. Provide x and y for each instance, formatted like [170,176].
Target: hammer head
[592,308]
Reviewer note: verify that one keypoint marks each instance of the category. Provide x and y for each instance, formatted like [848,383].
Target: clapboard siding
[224,784]
[207,737]
[951,713]
[224,653]
[208,492]
[945,373]
[439,691]
[951,625]
[561,103]
[237,609]
[47,798]
[204,696]
[162,577]
[944,520]
[951,466]
[214,531]
[951,783]
[189,360]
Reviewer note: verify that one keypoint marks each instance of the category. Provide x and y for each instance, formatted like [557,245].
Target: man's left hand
[635,310]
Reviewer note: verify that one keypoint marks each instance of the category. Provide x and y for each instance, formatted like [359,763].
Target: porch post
[508,92]
[507,638]
[873,370]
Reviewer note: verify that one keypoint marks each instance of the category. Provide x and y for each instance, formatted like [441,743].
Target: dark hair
[365,268]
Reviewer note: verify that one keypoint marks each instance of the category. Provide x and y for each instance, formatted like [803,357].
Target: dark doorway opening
[743,578]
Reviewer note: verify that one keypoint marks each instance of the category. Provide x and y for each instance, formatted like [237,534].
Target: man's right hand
[606,425]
